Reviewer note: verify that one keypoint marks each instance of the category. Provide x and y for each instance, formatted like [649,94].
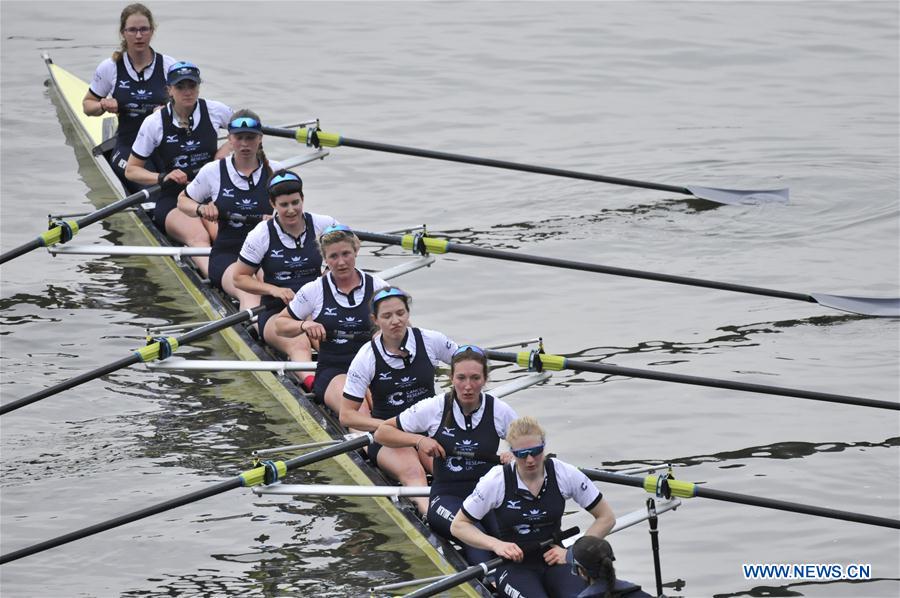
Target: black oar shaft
[449,157]
[589,267]
[230,484]
[757,501]
[54,236]
[132,359]
[117,521]
[602,368]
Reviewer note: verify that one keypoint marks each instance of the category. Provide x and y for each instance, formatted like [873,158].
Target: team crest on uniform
[142,94]
[190,144]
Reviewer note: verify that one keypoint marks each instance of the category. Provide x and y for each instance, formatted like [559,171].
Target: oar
[62,232]
[267,473]
[479,570]
[545,361]
[666,486]
[313,137]
[866,306]
[158,349]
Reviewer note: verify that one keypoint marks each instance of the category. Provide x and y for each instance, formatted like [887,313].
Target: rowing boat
[315,421]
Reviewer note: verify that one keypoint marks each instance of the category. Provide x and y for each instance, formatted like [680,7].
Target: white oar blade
[885,307]
[740,196]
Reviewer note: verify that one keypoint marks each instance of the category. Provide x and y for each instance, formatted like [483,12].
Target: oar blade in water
[885,307]
[740,196]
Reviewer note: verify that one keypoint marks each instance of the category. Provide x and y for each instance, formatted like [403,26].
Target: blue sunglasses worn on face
[530,451]
[245,124]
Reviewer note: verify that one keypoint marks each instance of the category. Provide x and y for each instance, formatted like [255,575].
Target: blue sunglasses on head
[337,228]
[531,451]
[472,348]
[285,178]
[385,293]
[245,124]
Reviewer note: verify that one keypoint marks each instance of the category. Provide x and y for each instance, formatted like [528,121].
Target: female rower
[592,559]
[397,366]
[131,84]
[233,187]
[528,498]
[284,247]
[464,419]
[338,304]
[184,133]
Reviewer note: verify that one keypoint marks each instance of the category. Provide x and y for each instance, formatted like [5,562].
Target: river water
[722,94]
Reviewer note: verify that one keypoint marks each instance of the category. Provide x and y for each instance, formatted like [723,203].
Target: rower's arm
[465,531]
[287,326]
[389,434]
[94,106]
[352,417]
[604,519]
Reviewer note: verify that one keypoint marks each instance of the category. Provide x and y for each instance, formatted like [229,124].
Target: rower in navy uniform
[339,305]
[130,84]
[592,559]
[397,368]
[285,249]
[184,133]
[528,498]
[235,189]
[462,420]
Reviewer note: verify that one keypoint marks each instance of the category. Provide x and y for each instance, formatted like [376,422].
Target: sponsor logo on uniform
[124,84]
[583,486]
[282,275]
[180,162]
[341,341]
[523,529]
[330,311]
[277,253]
[448,431]
[228,192]
[395,399]
[172,138]
[453,464]
[384,376]
[513,504]
[445,513]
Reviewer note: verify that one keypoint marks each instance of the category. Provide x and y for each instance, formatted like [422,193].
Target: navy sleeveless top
[137,98]
[459,475]
[186,149]
[526,519]
[286,267]
[348,328]
[246,202]
[393,390]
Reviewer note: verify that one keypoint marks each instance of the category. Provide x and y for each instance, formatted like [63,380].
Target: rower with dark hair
[184,133]
[465,420]
[592,559]
[232,188]
[284,248]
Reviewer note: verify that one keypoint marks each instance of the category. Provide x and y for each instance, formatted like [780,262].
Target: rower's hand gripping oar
[539,361]
[158,348]
[667,486]
[266,473]
[478,571]
[313,137]
[420,243]
[62,231]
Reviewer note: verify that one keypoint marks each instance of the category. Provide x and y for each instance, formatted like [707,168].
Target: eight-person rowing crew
[264,250]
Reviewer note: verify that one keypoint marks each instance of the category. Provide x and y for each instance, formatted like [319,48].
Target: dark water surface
[727,94]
